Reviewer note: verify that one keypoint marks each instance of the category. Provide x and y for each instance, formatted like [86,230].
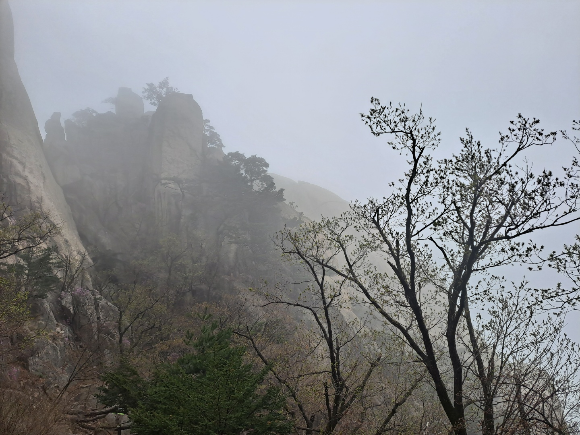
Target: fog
[287,79]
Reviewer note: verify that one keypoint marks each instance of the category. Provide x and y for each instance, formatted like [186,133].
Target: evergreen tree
[154,93]
[210,391]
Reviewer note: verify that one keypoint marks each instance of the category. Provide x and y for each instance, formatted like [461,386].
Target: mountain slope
[312,200]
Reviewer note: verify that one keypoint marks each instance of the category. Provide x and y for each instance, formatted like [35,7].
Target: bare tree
[20,232]
[23,231]
[445,224]
[564,296]
[341,375]
[530,376]
[142,313]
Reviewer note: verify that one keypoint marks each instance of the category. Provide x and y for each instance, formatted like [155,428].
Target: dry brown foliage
[23,414]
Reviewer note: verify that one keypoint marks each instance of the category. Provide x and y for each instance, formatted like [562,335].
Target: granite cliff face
[27,183]
[127,171]
[127,174]
[25,176]
[133,179]
[175,156]
[99,165]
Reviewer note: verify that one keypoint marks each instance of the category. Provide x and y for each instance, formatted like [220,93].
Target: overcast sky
[287,79]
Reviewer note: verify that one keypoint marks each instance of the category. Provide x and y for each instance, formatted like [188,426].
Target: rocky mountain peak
[128,104]
[176,137]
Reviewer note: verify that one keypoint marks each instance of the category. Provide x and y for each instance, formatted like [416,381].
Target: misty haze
[289,217]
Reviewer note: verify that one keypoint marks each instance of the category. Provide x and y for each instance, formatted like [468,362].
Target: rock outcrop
[100,169]
[27,183]
[176,138]
[175,156]
[60,157]
[54,129]
[25,177]
[133,179]
[101,173]
[128,104]
[127,169]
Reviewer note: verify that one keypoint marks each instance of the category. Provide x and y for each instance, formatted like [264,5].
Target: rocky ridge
[112,179]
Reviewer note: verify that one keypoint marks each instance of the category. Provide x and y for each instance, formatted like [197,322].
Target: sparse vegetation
[422,259]
[24,230]
[211,137]
[22,414]
[154,93]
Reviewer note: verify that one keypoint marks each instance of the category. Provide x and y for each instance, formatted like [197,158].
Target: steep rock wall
[28,183]
[126,172]
[25,176]
[100,168]
[176,138]
[175,156]
[133,180]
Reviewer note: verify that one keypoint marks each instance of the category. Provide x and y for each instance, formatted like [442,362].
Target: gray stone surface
[176,138]
[100,167]
[118,170]
[175,155]
[128,104]
[27,182]
[25,177]
[59,156]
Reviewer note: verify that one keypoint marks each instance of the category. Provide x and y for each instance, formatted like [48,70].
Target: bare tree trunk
[521,408]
